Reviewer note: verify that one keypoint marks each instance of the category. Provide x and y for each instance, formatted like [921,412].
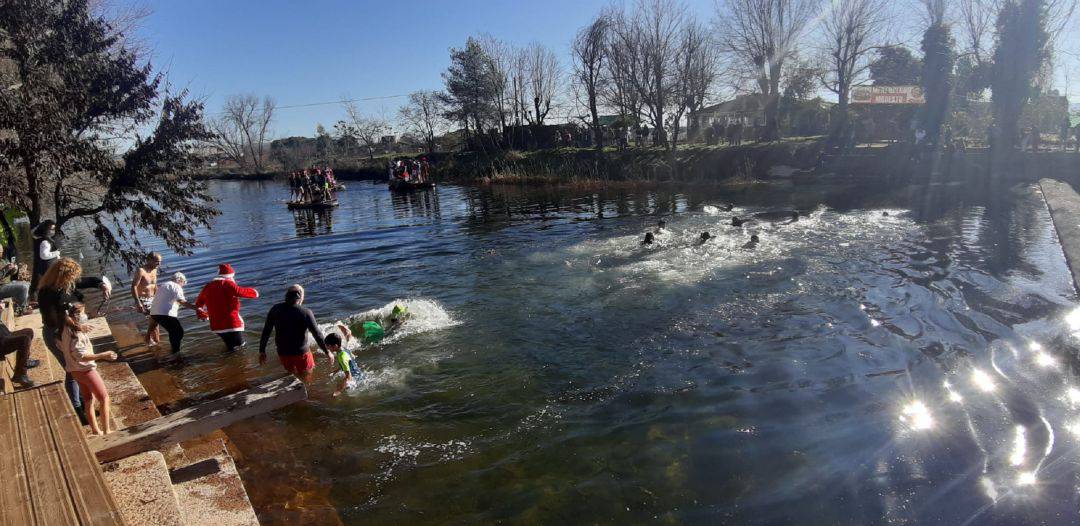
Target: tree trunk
[34,187]
[598,133]
[772,106]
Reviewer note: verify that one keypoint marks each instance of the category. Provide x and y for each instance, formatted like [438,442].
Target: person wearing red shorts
[290,323]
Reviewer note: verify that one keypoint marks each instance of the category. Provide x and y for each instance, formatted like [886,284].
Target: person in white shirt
[45,252]
[166,306]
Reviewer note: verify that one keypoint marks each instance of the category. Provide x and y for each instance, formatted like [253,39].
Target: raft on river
[314,205]
[398,185]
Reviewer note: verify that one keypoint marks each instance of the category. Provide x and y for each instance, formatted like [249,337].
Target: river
[898,355]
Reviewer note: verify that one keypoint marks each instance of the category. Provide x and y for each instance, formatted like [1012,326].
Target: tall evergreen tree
[470,87]
[939,58]
[74,103]
[1021,51]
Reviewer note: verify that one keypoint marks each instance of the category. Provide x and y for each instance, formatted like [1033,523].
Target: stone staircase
[195,483]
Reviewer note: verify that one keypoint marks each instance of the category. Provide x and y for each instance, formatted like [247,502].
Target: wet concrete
[1064,205]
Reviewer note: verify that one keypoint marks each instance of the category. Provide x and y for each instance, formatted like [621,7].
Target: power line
[339,102]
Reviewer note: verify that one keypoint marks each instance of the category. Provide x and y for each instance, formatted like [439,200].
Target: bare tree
[851,29]
[423,116]
[543,72]
[647,42]
[760,35]
[502,56]
[695,73]
[368,130]
[976,21]
[619,86]
[588,52]
[242,129]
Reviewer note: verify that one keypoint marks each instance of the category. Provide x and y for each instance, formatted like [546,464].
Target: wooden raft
[49,474]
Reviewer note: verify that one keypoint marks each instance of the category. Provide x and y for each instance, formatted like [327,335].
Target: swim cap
[398,312]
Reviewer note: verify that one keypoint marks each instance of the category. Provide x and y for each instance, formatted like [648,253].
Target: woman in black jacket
[59,288]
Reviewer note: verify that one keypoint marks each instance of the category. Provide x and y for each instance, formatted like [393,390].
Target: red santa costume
[220,302]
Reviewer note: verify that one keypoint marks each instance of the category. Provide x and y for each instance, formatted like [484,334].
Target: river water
[854,368]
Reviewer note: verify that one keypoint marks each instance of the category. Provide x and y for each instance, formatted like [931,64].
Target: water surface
[854,368]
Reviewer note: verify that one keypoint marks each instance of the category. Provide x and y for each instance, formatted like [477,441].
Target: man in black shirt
[292,323]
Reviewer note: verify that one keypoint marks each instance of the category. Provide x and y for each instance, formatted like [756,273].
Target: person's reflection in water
[423,203]
[313,222]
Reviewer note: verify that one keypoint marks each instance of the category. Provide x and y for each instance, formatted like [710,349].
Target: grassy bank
[575,166]
[694,163]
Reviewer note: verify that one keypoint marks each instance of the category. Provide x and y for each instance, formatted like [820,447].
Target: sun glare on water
[982,381]
[917,416]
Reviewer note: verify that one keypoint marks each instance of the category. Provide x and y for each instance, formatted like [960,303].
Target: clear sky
[319,51]
[322,50]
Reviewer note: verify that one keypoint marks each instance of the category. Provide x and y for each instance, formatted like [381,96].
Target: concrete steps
[144,490]
[204,477]
[208,486]
[193,484]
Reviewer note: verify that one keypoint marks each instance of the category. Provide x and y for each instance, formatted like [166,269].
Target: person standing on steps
[166,306]
[143,288]
[45,251]
[59,287]
[219,302]
[291,322]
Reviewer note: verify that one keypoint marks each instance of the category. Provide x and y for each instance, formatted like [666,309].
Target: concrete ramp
[1064,205]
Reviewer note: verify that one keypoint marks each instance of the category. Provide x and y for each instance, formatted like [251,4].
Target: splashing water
[424,316]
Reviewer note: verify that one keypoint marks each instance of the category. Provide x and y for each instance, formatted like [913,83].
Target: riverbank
[795,159]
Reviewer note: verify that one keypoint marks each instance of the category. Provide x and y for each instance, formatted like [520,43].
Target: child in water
[344,360]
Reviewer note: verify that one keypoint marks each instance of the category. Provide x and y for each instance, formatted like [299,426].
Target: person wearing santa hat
[219,302]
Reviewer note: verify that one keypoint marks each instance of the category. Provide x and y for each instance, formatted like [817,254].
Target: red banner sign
[887,95]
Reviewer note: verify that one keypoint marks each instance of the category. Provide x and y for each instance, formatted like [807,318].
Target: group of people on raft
[780,216]
[410,170]
[314,185]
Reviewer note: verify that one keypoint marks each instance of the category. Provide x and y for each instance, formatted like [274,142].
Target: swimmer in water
[373,331]
[648,239]
[704,238]
[735,221]
[750,245]
[661,226]
[884,214]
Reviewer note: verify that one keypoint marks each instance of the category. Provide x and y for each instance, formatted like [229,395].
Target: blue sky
[322,50]
[318,51]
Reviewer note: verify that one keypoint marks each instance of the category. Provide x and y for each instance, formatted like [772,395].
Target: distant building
[746,109]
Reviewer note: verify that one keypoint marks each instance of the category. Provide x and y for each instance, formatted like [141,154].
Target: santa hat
[225,270]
